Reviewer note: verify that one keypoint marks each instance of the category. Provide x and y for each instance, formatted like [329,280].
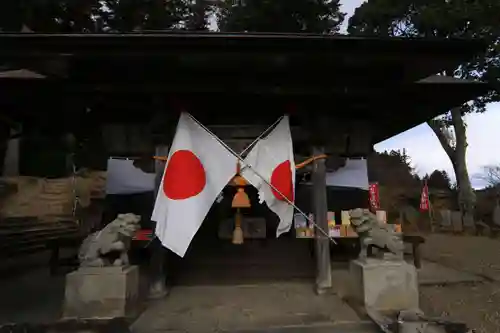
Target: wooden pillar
[11,156]
[157,285]
[322,243]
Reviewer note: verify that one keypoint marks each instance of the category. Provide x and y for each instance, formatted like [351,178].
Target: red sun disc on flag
[184,176]
[281,179]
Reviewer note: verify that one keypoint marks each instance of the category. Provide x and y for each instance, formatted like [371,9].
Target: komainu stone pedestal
[102,292]
[384,285]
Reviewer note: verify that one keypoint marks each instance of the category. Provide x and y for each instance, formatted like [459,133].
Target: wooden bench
[29,235]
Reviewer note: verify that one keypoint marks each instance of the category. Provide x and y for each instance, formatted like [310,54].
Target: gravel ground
[478,305]
[479,255]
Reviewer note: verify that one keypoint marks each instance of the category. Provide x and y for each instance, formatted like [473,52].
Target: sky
[423,147]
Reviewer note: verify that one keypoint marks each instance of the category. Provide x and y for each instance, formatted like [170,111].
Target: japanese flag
[272,158]
[197,169]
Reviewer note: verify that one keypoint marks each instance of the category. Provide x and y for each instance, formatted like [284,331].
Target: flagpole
[245,164]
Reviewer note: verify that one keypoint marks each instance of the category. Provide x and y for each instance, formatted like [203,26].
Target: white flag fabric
[272,158]
[197,169]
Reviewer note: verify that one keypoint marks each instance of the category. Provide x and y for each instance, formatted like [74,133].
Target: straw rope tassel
[238,232]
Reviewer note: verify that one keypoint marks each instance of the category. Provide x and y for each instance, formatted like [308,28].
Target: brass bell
[241,199]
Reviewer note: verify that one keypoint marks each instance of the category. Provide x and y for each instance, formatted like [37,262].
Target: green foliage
[392,169]
[130,15]
[312,16]
[443,19]
[72,16]
[49,15]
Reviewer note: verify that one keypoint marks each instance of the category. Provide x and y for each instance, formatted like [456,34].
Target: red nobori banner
[424,199]
[374,196]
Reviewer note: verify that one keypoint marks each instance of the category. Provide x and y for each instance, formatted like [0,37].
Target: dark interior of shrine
[212,259]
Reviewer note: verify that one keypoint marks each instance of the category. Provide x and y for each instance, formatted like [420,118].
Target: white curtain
[353,174]
[124,178]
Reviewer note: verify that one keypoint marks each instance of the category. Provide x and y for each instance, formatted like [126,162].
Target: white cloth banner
[353,174]
[124,178]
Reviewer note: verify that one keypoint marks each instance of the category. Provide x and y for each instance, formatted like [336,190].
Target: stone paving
[30,294]
[229,308]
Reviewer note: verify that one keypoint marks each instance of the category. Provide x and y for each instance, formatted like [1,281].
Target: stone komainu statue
[109,246]
[373,233]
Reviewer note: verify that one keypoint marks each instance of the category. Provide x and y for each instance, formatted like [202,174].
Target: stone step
[347,327]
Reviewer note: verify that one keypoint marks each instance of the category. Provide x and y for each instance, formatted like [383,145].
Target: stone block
[456,221]
[496,216]
[102,292]
[384,285]
[445,218]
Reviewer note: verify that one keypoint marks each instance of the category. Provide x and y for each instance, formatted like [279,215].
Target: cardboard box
[345,217]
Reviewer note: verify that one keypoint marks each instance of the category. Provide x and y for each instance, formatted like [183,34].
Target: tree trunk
[457,155]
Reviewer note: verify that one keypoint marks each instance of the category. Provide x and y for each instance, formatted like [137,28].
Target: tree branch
[437,129]
[491,175]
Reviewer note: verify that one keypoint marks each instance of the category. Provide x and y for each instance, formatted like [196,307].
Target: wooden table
[414,239]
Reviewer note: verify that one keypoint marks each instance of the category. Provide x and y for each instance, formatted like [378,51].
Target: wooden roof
[279,58]
[258,74]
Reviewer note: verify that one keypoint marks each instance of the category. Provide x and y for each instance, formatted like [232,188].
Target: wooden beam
[322,242]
